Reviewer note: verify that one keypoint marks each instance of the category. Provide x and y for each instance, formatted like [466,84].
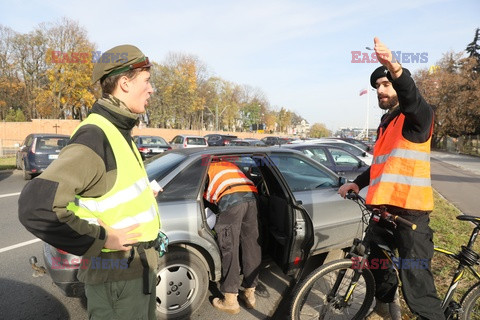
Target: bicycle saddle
[473,219]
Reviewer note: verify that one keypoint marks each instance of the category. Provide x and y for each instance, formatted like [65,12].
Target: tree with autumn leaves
[44,74]
[453,88]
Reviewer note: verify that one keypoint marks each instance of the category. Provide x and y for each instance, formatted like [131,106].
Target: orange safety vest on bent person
[226,178]
[400,171]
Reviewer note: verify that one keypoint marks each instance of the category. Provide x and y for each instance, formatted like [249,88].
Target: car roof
[49,135]
[231,149]
[189,136]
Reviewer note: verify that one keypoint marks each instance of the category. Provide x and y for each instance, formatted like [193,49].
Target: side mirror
[361,164]
[364,154]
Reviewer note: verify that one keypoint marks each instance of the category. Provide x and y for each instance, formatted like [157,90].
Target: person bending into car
[95,200]
[399,178]
[233,197]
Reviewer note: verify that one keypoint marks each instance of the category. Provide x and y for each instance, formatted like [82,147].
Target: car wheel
[26,175]
[182,284]
[17,163]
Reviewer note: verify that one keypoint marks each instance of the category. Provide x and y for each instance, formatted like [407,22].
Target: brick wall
[15,132]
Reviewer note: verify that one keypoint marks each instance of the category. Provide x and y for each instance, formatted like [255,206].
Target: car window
[342,158]
[317,154]
[214,138]
[54,143]
[158,168]
[354,150]
[185,185]
[178,140]
[153,141]
[303,175]
[196,141]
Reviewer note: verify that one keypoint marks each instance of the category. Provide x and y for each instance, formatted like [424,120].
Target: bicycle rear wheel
[313,298]
[471,303]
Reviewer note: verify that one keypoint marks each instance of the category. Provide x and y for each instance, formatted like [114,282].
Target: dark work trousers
[237,226]
[418,287]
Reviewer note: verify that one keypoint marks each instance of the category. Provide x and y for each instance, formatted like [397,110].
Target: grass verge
[7,163]
[449,233]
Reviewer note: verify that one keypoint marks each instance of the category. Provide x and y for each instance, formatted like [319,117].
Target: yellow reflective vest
[400,171]
[131,199]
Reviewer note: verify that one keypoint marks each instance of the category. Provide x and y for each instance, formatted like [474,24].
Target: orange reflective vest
[400,171]
[226,178]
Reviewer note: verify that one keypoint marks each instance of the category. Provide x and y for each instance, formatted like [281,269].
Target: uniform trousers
[416,248]
[237,226]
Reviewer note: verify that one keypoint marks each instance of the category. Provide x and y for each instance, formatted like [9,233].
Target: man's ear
[124,84]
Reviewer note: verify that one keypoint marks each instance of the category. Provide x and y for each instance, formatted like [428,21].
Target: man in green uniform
[95,199]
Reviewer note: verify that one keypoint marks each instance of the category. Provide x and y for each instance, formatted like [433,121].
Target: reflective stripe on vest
[131,199]
[402,153]
[400,170]
[122,196]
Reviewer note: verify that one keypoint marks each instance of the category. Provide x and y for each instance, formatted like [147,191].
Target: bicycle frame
[466,258]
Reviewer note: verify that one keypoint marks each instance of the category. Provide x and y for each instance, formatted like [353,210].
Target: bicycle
[345,288]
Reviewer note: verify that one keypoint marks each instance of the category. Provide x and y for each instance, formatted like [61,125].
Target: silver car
[186,141]
[301,216]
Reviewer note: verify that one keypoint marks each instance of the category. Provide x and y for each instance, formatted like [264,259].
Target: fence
[463,144]
[12,134]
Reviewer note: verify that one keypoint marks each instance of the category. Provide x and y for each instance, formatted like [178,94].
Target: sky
[298,52]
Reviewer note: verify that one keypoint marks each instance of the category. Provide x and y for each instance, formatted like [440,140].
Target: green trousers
[121,300]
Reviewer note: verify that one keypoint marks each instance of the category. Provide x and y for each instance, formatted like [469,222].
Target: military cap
[117,60]
[381,72]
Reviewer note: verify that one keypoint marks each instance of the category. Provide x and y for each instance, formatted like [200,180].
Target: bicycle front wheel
[315,297]
[471,303]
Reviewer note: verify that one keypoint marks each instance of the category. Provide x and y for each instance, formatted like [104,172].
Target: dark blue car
[37,151]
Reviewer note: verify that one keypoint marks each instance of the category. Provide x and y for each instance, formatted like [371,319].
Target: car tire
[182,284]
[17,163]
[26,175]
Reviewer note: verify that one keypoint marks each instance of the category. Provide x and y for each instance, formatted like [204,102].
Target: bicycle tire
[471,303]
[309,299]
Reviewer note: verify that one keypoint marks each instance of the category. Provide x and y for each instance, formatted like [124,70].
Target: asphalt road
[23,296]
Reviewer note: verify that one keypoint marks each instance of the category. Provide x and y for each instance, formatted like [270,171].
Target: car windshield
[51,143]
[158,167]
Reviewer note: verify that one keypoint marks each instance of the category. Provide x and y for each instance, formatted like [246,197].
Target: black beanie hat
[381,72]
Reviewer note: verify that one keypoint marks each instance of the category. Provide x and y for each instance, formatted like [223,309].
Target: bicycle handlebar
[382,211]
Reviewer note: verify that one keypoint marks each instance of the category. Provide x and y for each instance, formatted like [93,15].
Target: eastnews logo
[397,263]
[84,57]
[397,56]
[83,263]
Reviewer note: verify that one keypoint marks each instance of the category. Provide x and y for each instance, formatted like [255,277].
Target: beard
[389,104]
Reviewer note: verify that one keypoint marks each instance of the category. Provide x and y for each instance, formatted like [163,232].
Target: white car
[187,141]
[357,151]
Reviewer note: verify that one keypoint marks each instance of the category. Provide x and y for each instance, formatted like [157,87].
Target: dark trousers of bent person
[415,247]
[237,226]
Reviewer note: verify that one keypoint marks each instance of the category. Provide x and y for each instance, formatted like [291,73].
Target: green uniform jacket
[86,167]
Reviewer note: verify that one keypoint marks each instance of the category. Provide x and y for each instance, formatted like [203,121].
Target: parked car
[362,145]
[215,139]
[338,160]
[187,141]
[353,149]
[301,219]
[365,156]
[149,146]
[247,143]
[272,141]
[37,151]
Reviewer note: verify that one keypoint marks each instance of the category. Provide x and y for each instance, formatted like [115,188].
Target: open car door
[289,227]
